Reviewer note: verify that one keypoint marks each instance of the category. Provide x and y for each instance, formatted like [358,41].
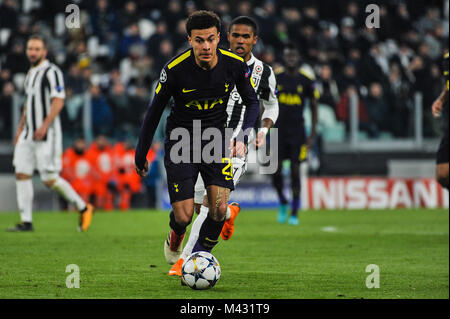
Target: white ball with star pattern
[201,271]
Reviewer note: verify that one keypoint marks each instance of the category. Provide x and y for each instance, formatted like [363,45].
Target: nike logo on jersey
[187,91]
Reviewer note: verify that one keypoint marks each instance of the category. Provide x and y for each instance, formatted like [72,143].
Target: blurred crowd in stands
[121,46]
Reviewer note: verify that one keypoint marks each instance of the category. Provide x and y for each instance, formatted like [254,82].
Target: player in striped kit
[38,142]
[242,35]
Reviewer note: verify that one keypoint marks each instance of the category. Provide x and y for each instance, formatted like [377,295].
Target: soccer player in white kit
[38,142]
[242,35]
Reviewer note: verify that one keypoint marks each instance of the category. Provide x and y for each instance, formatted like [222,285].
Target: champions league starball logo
[163,76]
[248,73]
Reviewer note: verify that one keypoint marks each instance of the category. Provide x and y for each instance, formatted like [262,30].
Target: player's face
[36,51]
[242,39]
[204,42]
[291,58]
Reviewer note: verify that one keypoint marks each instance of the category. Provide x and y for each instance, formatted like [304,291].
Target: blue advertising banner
[248,195]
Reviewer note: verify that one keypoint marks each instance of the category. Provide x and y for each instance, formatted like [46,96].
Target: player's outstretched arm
[149,126]
[439,103]
[443,98]
[271,111]
[248,94]
[313,95]
[266,125]
[314,120]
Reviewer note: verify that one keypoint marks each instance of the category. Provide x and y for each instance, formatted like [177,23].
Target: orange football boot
[86,218]
[176,268]
[228,227]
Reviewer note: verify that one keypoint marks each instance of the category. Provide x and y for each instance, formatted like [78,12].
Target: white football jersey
[265,85]
[42,83]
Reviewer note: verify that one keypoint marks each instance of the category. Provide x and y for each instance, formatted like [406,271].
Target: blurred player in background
[242,35]
[77,169]
[294,88]
[38,142]
[129,183]
[442,154]
[105,173]
[200,80]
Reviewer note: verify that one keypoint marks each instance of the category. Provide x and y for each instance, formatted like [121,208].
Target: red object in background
[104,174]
[128,181]
[104,171]
[77,170]
[343,110]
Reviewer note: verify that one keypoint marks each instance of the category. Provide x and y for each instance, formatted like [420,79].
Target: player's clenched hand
[260,139]
[240,149]
[237,149]
[143,172]
[40,133]
[437,108]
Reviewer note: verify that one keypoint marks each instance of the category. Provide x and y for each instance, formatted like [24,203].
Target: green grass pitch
[325,257]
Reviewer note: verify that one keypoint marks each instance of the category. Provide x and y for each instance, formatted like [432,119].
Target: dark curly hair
[203,20]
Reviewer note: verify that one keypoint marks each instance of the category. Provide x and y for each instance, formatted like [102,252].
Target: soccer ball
[201,271]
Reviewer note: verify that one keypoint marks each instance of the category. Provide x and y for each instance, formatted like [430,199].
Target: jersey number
[228,169]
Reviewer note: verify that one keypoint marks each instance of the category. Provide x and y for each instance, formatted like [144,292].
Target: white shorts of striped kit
[43,156]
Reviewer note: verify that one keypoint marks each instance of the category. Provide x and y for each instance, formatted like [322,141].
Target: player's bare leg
[63,188]
[24,194]
[212,226]
[180,218]
[442,175]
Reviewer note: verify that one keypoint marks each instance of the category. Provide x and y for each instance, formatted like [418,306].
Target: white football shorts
[43,156]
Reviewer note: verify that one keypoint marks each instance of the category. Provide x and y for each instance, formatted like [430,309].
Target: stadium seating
[328,127]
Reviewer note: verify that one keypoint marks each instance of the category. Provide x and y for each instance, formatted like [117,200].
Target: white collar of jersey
[43,64]
[252,59]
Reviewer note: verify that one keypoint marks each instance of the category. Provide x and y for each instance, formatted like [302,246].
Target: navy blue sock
[209,235]
[295,206]
[277,181]
[177,228]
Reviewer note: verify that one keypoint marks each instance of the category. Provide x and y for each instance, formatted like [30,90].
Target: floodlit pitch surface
[325,257]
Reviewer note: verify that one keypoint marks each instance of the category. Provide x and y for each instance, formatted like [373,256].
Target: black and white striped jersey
[42,83]
[265,84]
